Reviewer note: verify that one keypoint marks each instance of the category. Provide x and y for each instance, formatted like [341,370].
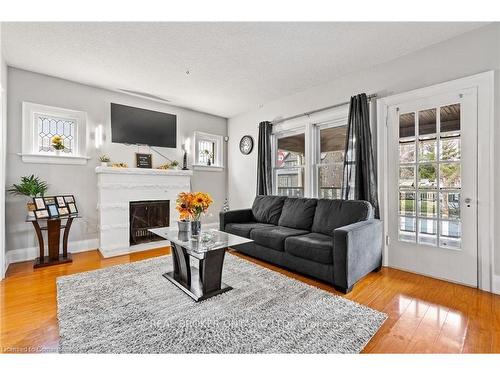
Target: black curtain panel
[360,179]
[264,167]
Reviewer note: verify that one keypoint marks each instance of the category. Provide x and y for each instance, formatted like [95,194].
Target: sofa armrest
[357,251]
[235,216]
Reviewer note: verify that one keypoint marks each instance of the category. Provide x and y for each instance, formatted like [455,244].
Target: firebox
[146,215]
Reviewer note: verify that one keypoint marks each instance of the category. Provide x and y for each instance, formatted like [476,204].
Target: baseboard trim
[30,253]
[496,284]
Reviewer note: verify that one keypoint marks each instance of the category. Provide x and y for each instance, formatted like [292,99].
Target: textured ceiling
[233,67]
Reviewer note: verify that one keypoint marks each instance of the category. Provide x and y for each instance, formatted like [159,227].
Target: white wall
[3,127]
[79,180]
[467,54]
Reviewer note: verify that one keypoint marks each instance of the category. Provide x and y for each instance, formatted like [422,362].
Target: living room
[281,187]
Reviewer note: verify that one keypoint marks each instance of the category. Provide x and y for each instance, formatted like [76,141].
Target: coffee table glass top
[207,240]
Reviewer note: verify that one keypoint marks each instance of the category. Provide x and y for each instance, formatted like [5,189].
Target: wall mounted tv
[141,126]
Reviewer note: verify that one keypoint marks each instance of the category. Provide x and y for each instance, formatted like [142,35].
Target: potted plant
[57,144]
[30,186]
[174,164]
[210,156]
[104,159]
[192,206]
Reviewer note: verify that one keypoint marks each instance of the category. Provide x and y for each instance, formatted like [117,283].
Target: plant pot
[195,227]
[104,163]
[184,226]
[58,152]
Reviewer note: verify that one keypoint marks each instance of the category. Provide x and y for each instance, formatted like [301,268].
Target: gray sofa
[336,241]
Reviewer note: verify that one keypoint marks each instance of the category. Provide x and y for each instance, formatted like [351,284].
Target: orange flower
[192,205]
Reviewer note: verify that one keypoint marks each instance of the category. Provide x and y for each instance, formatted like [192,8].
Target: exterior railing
[325,192]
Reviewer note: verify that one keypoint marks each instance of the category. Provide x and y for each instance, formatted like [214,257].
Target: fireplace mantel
[117,187]
[143,171]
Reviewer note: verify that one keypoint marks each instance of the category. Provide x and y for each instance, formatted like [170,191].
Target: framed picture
[42,214]
[39,203]
[63,211]
[143,160]
[53,210]
[69,199]
[61,202]
[72,208]
[49,200]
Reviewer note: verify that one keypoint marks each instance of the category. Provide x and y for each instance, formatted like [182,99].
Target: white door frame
[484,82]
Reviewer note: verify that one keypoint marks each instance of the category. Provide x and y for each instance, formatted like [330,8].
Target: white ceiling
[233,67]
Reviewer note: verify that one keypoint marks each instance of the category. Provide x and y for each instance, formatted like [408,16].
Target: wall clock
[246,144]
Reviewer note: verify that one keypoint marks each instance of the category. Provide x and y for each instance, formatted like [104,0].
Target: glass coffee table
[209,249]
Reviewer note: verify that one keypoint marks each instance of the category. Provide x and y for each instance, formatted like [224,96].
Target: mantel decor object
[144,160]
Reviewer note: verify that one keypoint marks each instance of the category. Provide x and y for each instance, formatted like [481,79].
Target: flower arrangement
[57,143]
[104,159]
[192,205]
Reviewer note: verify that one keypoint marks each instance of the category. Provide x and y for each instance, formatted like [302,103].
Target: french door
[432,186]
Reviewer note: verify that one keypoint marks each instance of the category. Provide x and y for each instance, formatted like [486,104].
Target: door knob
[468,201]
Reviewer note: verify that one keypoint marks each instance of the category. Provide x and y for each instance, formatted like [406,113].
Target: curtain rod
[370,97]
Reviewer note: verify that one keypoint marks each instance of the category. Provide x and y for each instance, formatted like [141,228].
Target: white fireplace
[117,187]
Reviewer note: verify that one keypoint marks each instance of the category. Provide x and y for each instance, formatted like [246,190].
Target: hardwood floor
[425,315]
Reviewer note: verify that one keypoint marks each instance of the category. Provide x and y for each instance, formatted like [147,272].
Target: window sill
[208,168]
[54,159]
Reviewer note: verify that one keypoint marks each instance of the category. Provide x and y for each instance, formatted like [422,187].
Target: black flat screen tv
[141,126]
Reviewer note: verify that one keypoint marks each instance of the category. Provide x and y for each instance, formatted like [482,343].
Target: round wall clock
[246,144]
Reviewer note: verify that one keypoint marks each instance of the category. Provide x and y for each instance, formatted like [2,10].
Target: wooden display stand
[53,228]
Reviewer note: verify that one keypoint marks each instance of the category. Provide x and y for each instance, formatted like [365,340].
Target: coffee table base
[195,291]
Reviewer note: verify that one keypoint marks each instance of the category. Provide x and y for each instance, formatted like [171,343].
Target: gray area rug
[131,308]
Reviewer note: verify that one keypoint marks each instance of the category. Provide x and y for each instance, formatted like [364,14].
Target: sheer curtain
[359,175]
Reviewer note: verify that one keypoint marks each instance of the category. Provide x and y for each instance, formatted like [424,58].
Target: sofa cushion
[298,213]
[244,229]
[313,246]
[267,208]
[274,237]
[335,213]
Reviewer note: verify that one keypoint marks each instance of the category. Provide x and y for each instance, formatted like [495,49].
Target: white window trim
[30,155]
[487,279]
[310,125]
[219,151]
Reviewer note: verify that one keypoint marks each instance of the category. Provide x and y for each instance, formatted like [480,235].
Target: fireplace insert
[146,215]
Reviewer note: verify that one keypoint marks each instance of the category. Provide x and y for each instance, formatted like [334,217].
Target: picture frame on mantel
[143,160]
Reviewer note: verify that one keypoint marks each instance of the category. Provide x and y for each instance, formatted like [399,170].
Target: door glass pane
[449,205]
[427,176]
[449,148]
[290,182]
[407,125]
[427,150]
[407,152]
[450,234]
[427,231]
[330,181]
[407,177]
[427,204]
[449,176]
[450,118]
[427,122]
[407,203]
[407,229]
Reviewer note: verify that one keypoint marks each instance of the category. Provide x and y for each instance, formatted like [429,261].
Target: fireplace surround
[117,187]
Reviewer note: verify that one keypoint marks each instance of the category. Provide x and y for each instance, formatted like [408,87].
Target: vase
[184,226]
[104,163]
[58,152]
[195,227]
